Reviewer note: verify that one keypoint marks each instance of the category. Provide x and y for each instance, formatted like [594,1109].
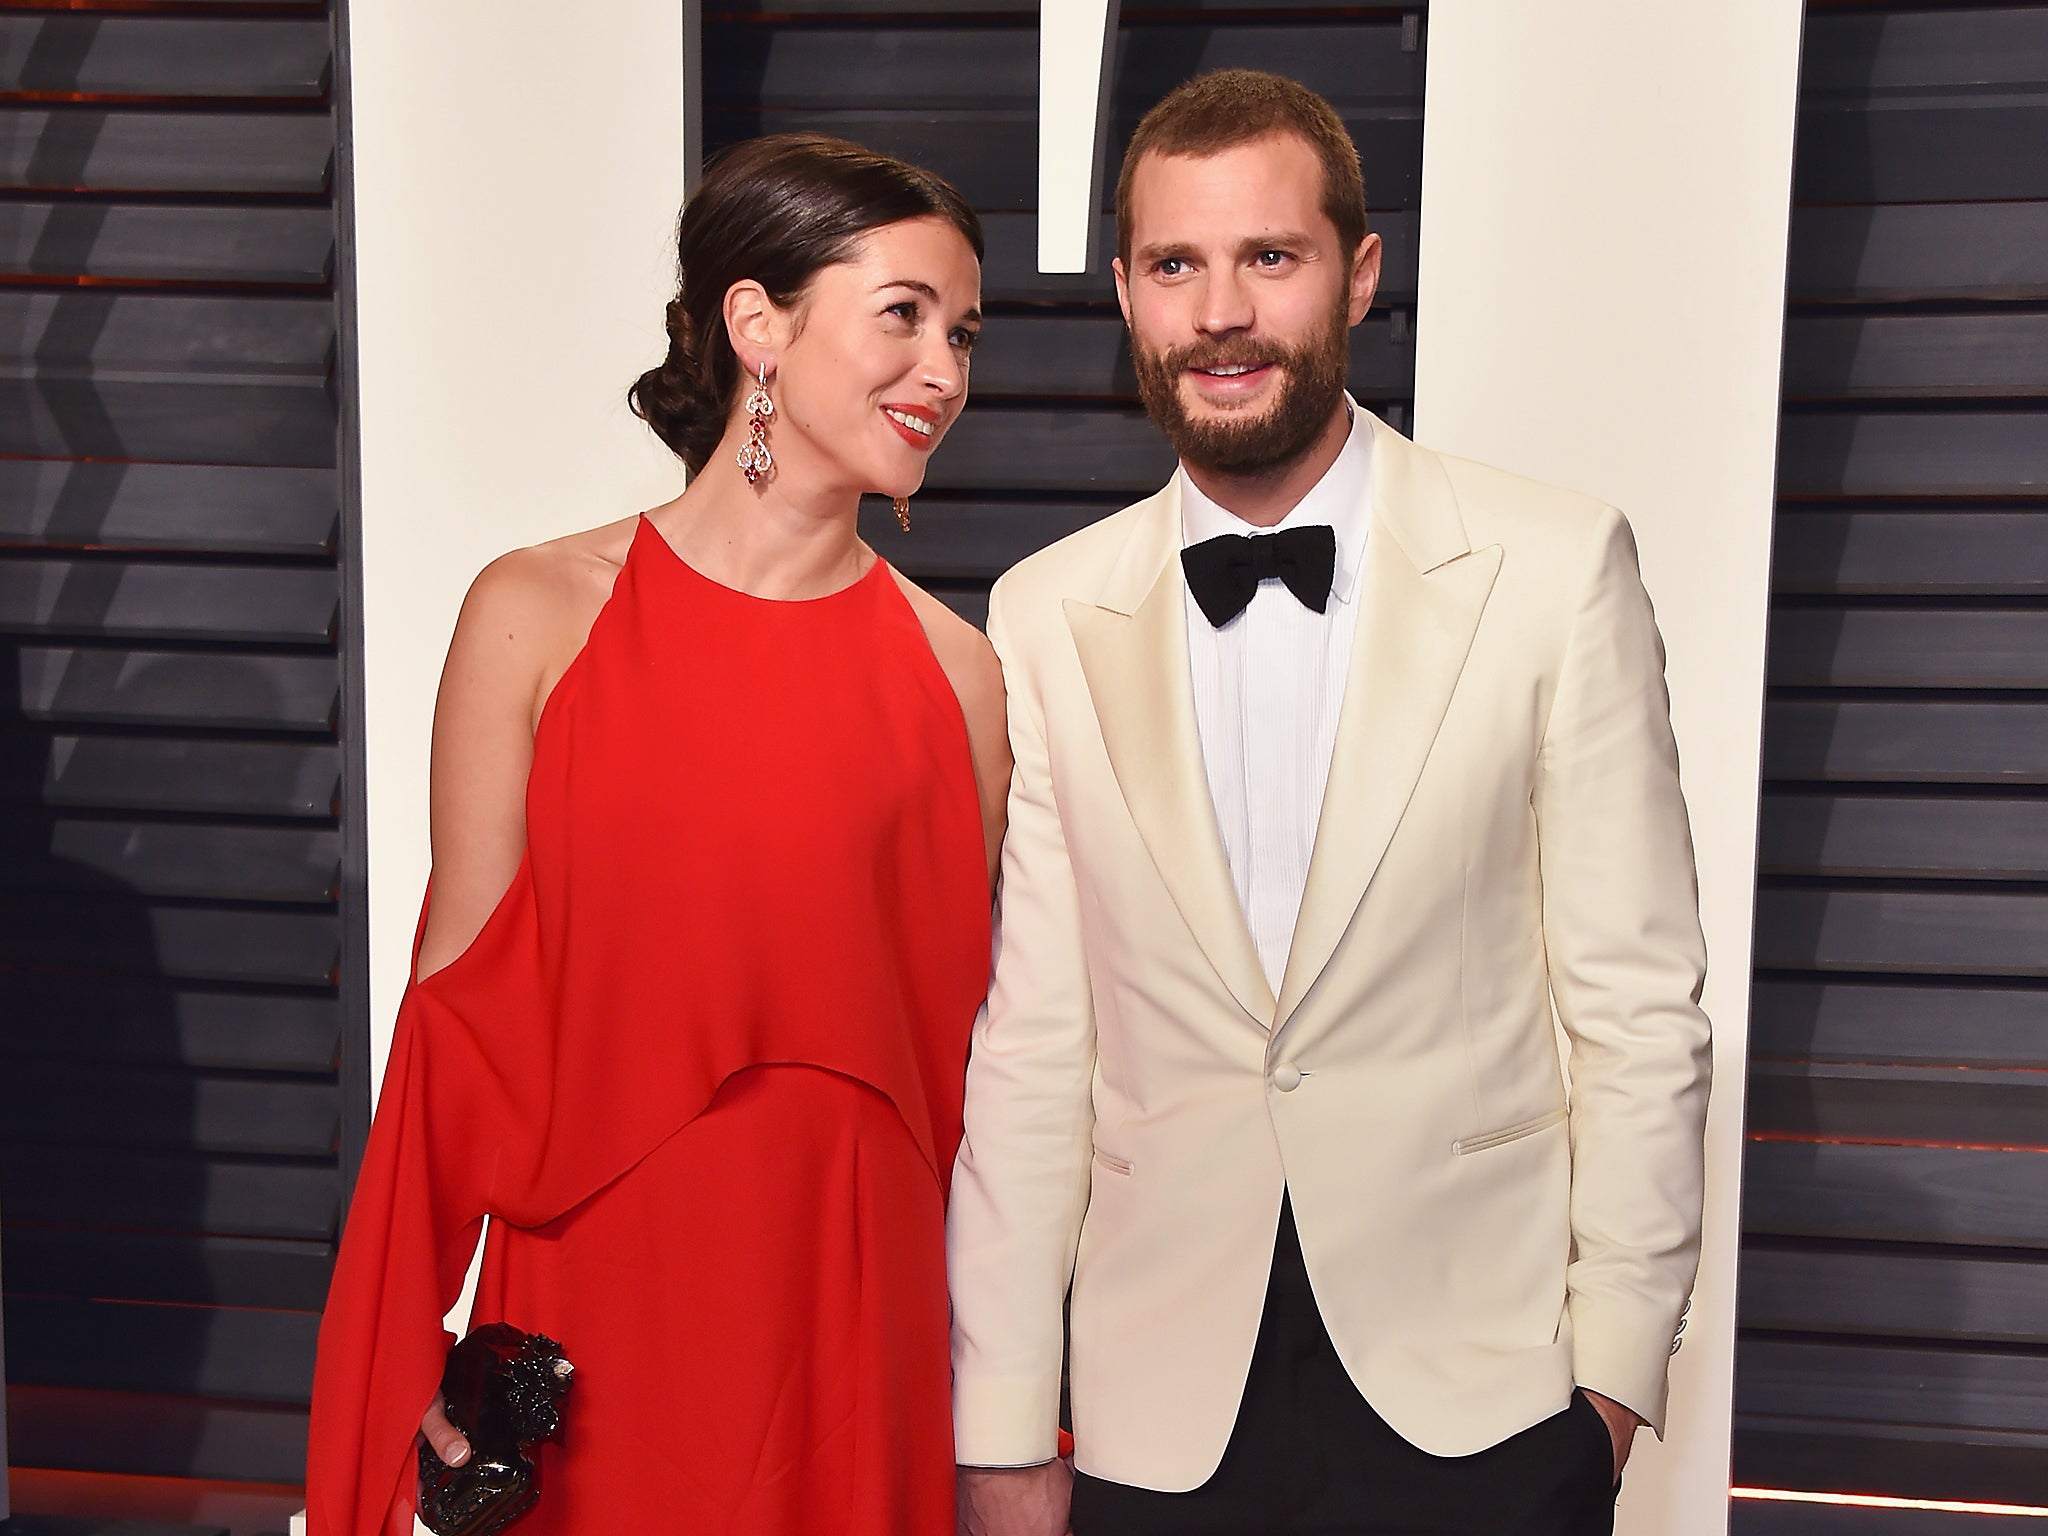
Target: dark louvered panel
[177,799]
[143,56]
[1920,252]
[1913,1023]
[130,599]
[230,1197]
[970,541]
[963,99]
[1909,648]
[158,377]
[1861,928]
[60,1018]
[59,1102]
[220,863]
[79,685]
[1877,357]
[90,238]
[1100,452]
[133,150]
[195,942]
[1917,837]
[1906,741]
[155,1435]
[1927,1196]
[1913,453]
[1875,551]
[242,1354]
[1911,1295]
[139,1347]
[1852,1101]
[1895,1202]
[151,1266]
[172,773]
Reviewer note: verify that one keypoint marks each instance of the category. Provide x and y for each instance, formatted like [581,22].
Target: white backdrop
[1605,195]
[518,169]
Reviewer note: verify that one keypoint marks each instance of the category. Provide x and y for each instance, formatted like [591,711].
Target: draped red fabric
[754,839]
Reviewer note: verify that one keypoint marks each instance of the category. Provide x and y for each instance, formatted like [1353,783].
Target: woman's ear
[755,325]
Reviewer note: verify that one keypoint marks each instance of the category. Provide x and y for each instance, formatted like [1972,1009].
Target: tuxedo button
[1287,1077]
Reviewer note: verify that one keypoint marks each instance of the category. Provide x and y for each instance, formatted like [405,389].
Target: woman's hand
[444,1437]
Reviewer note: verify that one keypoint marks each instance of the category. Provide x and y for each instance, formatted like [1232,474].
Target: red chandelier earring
[754,458]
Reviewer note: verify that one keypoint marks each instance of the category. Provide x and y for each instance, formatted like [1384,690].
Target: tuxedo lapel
[1132,643]
[1422,589]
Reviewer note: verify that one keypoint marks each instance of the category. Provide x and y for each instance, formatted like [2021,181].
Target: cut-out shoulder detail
[528,617]
[976,677]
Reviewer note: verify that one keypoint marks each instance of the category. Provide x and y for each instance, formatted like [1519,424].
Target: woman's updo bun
[777,210]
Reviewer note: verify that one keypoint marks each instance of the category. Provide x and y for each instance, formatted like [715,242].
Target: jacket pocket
[1509,1133]
[1113,1163]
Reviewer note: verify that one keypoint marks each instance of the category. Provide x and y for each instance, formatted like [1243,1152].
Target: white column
[517,171]
[1605,199]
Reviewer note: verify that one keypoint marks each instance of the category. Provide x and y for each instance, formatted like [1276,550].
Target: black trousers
[1309,1457]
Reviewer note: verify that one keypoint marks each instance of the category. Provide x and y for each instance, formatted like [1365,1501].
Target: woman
[716,797]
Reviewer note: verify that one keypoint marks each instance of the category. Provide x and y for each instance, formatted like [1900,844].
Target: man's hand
[1016,1501]
[444,1437]
[1621,1426]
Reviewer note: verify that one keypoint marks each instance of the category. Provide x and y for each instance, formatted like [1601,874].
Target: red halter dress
[703,1069]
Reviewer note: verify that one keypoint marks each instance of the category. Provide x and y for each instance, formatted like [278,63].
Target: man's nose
[1225,305]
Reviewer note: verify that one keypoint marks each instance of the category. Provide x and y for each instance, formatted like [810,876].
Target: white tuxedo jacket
[1503,830]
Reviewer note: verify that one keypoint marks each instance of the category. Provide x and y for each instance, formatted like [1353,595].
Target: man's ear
[1123,288]
[1365,276]
[756,326]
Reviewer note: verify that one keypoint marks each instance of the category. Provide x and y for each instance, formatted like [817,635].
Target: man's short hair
[1230,107]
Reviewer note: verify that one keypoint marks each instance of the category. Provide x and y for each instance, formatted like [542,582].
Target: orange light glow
[1878,1501]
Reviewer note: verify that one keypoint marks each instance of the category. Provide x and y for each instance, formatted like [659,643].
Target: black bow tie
[1224,572]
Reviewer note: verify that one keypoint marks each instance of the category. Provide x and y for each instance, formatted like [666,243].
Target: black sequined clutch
[503,1389]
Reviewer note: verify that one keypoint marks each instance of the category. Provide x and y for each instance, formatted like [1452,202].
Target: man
[1338,763]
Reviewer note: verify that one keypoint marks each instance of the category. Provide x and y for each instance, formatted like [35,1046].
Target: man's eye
[1271,258]
[1172,266]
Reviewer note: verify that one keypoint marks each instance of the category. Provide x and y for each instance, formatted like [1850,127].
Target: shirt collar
[1342,499]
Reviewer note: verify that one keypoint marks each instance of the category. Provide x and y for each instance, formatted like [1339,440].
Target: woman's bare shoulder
[963,651]
[529,611]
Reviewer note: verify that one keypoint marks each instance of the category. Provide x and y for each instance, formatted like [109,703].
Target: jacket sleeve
[1020,1185]
[1627,963]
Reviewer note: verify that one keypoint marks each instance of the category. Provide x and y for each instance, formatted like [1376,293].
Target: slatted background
[1894,1285]
[1053,437]
[172,755]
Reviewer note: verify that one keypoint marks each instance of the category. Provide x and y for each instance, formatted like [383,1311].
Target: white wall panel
[517,170]
[1605,195]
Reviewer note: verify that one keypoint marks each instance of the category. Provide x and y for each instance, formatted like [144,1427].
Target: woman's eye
[965,339]
[906,310]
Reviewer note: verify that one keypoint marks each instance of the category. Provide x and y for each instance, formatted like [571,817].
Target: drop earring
[754,458]
[902,508]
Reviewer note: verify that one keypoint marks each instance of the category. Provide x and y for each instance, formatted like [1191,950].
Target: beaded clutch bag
[503,1389]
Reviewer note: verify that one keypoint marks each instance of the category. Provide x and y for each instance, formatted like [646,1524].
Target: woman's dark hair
[777,210]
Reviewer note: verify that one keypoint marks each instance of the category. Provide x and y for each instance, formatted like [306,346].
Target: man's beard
[1312,382]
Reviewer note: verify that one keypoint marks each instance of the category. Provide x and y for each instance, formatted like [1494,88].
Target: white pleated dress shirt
[1268,687]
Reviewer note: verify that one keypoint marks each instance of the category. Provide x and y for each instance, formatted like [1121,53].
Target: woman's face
[877,369]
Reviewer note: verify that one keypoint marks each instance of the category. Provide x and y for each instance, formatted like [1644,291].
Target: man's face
[1240,302]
